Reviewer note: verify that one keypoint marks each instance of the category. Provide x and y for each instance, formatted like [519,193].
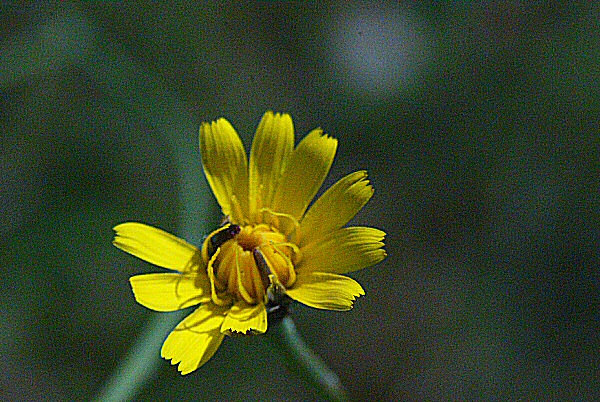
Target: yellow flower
[270,248]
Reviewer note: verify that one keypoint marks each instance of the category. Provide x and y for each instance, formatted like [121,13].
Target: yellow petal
[196,339]
[335,207]
[156,246]
[226,167]
[305,171]
[273,143]
[325,291]
[345,250]
[170,292]
[244,317]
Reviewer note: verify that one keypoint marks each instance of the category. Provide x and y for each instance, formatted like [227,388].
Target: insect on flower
[228,232]
[271,249]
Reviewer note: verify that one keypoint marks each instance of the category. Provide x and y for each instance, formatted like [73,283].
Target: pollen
[244,264]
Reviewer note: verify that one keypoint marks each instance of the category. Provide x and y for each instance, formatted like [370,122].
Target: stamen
[286,223]
[293,246]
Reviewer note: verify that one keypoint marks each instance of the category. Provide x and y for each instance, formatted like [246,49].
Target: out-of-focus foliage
[478,124]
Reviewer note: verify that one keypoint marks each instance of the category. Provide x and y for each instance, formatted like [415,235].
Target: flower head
[270,249]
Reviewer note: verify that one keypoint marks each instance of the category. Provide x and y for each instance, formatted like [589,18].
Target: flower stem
[141,362]
[302,361]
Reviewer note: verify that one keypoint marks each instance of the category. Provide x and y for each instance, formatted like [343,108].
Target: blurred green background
[478,124]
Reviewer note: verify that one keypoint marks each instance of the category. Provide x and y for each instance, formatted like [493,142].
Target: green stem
[140,364]
[302,361]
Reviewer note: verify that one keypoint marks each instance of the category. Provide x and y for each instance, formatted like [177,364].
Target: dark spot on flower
[220,238]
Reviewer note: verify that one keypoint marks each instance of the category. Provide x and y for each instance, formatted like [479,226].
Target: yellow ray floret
[170,292]
[244,318]
[195,339]
[225,166]
[326,291]
[335,207]
[156,246]
[304,173]
[272,145]
[345,250]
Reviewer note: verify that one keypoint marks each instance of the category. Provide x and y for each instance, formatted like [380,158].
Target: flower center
[245,262]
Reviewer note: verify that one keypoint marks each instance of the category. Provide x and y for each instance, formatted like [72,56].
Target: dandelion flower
[270,249]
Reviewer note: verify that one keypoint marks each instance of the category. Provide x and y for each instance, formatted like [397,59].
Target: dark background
[478,124]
